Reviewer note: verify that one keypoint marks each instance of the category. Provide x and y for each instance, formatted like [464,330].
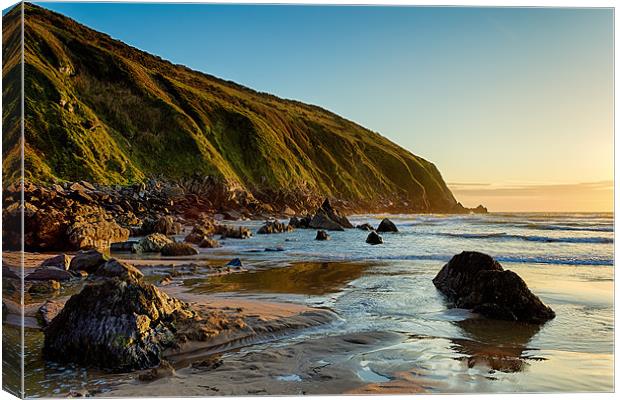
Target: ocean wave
[544,239]
[551,260]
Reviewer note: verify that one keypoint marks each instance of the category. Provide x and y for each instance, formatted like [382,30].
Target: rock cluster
[476,281]
[327,218]
[274,227]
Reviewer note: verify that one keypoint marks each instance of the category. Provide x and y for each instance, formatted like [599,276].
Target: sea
[567,259]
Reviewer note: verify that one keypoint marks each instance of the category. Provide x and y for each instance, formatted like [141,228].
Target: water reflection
[307,278]
[495,345]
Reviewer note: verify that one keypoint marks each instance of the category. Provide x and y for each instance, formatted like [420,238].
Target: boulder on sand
[152,243]
[386,226]
[476,281]
[374,238]
[178,249]
[88,261]
[61,261]
[322,235]
[49,273]
[116,325]
[328,218]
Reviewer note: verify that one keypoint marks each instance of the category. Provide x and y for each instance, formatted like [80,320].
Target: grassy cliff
[97,109]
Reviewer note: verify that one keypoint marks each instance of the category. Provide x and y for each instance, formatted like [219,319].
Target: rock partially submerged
[476,281]
[233,233]
[328,218]
[115,324]
[274,227]
[209,243]
[365,227]
[386,226]
[301,222]
[374,238]
[322,235]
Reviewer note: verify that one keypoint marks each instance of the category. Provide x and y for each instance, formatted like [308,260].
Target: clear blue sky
[493,96]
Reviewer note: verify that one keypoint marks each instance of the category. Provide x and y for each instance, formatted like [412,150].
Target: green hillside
[99,110]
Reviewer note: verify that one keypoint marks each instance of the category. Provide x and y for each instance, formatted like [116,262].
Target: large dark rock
[116,325]
[300,222]
[365,227]
[476,281]
[328,218]
[387,226]
[374,238]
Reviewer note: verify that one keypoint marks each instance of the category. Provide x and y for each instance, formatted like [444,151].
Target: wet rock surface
[386,226]
[374,238]
[274,227]
[476,281]
[88,261]
[322,235]
[115,324]
[329,219]
[178,249]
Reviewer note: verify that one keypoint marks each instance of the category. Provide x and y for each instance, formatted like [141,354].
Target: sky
[513,105]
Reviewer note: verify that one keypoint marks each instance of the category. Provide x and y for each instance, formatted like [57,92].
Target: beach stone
[200,231]
[274,227]
[49,273]
[88,261]
[42,287]
[235,262]
[322,221]
[386,226]
[374,238]
[115,325]
[476,281]
[365,227]
[209,243]
[48,311]
[62,261]
[152,243]
[322,235]
[118,269]
[178,249]
[124,246]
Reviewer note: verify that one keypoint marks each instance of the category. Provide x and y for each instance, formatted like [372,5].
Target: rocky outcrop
[164,225]
[201,231]
[328,218]
[48,311]
[386,226]
[476,281]
[300,222]
[322,235]
[365,227]
[230,232]
[374,238]
[178,249]
[92,227]
[152,243]
[274,227]
[115,324]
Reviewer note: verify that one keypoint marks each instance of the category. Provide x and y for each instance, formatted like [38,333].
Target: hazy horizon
[513,105]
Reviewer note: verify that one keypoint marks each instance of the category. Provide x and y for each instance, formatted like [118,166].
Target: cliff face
[99,110]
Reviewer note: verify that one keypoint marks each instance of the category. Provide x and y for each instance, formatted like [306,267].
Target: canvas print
[243,199]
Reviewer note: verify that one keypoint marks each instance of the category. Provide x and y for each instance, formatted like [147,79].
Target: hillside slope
[99,110]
